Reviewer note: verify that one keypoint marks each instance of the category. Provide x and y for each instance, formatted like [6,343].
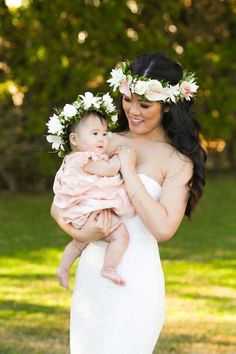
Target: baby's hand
[127,157]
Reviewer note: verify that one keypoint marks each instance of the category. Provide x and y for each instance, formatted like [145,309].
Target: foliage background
[49,52]
[52,50]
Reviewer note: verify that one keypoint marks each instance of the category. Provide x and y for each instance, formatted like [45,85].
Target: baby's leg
[72,251]
[118,243]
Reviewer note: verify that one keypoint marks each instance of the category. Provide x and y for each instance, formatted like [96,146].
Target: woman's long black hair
[179,124]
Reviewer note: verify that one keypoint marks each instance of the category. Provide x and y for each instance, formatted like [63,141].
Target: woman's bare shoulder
[179,158]
[170,154]
[115,139]
[179,166]
[172,161]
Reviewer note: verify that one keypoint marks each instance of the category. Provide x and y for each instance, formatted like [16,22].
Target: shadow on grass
[222,304]
[28,277]
[29,228]
[33,329]
[36,340]
[182,343]
[26,307]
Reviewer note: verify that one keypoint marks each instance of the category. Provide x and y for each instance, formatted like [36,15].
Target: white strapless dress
[111,319]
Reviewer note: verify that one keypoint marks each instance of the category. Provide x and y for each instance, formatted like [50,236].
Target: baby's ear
[72,139]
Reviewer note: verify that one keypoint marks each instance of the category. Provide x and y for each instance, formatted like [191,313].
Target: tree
[51,51]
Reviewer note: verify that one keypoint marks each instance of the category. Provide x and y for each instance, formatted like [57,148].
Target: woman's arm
[162,217]
[96,227]
[107,168]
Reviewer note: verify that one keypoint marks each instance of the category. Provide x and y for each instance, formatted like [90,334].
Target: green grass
[199,265]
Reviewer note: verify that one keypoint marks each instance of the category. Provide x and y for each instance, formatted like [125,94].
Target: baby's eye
[105,134]
[95,133]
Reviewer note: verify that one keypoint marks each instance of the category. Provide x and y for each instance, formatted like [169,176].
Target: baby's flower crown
[58,124]
[152,89]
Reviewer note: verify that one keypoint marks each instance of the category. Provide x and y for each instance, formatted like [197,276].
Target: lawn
[199,265]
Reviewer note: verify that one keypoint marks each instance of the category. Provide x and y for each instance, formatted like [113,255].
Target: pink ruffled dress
[77,193]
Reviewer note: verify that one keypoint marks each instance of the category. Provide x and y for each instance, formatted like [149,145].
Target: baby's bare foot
[113,275]
[63,277]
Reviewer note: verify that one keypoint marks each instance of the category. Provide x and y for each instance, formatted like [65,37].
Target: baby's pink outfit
[77,193]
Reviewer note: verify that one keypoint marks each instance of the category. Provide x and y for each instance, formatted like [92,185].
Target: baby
[88,180]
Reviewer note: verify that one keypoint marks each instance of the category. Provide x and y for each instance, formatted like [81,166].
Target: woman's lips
[136,121]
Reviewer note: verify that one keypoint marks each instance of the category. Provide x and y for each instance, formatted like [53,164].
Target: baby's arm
[107,168]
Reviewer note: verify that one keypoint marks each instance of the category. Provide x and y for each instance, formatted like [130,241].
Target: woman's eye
[126,99]
[144,105]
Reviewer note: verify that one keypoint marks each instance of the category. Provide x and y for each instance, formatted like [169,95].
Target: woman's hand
[127,156]
[98,226]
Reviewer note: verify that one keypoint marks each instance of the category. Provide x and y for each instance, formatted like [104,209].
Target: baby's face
[91,135]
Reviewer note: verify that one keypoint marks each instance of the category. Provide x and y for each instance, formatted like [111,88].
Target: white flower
[188,88]
[69,111]
[140,87]
[114,118]
[172,92]
[55,140]
[156,91]
[54,125]
[117,76]
[90,100]
[108,102]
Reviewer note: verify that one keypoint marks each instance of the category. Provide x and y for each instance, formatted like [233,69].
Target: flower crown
[58,124]
[152,89]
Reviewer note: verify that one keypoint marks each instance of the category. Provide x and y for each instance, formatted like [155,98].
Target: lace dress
[111,319]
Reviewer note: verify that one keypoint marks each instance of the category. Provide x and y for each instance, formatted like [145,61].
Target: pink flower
[156,91]
[124,88]
[188,89]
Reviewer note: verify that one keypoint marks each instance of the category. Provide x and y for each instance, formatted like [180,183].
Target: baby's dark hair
[178,123]
[71,128]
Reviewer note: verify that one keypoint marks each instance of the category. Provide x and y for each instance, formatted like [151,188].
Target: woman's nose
[134,109]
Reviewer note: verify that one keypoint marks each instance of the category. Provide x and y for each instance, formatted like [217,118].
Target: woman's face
[144,117]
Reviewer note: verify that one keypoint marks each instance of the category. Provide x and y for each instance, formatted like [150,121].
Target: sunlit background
[50,51]
[48,46]
[16,3]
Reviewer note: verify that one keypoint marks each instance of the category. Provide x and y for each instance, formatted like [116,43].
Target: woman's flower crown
[152,89]
[58,124]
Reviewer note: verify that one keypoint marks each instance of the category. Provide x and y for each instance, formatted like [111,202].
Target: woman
[162,164]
